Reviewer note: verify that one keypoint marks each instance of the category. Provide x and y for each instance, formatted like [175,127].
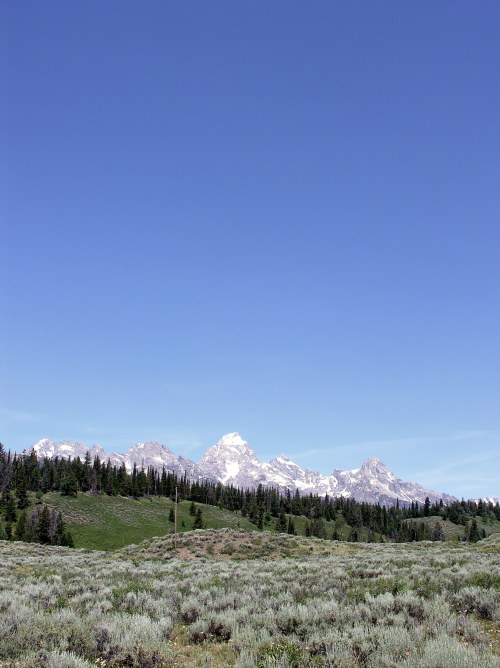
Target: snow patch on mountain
[232,461]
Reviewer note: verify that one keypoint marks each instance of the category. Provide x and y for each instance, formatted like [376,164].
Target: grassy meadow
[242,599]
[101,522]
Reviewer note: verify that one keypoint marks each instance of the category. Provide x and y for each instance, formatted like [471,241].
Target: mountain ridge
[232,461]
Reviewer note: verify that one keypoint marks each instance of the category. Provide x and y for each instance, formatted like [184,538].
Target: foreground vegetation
[251,600]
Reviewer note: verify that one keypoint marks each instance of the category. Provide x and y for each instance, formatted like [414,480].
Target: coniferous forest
[20,474]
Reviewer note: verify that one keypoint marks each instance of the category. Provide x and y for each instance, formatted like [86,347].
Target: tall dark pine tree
[10,508]
[22,496]
[437,532]
[281,523]
[69,485]
[42,528]
[198,520]
[3,467]
[22,526]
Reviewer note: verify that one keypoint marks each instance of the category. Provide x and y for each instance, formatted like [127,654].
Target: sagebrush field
[251,600]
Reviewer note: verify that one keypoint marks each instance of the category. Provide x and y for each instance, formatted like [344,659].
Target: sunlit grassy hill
[102,522]
[452,531]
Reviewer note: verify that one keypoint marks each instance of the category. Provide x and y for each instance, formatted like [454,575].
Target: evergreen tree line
[41,524]
[263,506]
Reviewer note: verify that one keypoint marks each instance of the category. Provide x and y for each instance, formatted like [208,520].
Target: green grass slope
[100,522]
[110,522]
[455,532]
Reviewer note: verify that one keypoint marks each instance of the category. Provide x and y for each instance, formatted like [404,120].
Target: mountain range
[232,461]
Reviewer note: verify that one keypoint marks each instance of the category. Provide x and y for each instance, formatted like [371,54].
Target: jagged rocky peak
[230,446]
[47,448]
[281,460]
[234,441]
[150,447]
[233,462]
[284,465]
[152,453]
[373,464]
[43,447]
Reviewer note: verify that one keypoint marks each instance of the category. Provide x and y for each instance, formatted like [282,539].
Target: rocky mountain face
[232,461]
[488,499]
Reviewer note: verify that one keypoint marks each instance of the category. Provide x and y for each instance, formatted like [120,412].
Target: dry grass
[223,544]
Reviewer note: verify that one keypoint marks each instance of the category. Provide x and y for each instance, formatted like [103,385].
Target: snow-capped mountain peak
[373,464]
[232,461]
[47,448]
[152,453]
[44,448]
[232,440]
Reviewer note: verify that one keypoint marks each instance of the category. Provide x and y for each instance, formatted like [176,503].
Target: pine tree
[198,520]
[281,523]
[46,484]
[22,496]
[69,485]
[437,533]
[318,528]
[291,527]
[474,534]
[171,515]
[94,486]
[192,509]
[3,466]
[10,508]
[58,537]
[22,526]
[42,528]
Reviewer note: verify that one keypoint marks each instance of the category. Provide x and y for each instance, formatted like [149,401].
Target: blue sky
[277,218]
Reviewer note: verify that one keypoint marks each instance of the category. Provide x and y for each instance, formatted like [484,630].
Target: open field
[251,600]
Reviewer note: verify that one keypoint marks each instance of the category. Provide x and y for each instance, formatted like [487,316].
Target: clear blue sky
[277,218]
